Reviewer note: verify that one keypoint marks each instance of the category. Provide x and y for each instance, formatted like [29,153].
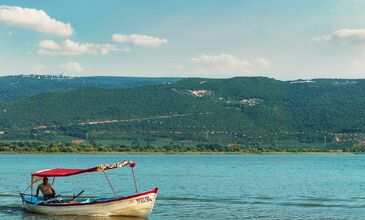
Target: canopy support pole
[135,181]
[31,188]
[53,180]
[111,186]
[31,193]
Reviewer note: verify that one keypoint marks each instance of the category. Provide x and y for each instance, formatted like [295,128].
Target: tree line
[59,147]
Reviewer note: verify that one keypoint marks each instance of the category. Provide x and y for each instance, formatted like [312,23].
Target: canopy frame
[110,184]
[134,178]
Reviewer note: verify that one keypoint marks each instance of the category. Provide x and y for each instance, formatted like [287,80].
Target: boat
[136,205]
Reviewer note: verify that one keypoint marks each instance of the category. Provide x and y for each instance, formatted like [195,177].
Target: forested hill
[243,107]
[21,86]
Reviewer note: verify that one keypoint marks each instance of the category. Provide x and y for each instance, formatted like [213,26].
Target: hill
[238,110]
[22,86]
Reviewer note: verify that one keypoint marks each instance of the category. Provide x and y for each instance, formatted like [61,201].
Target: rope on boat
[111,186]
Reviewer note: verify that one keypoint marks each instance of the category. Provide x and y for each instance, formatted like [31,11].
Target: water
[207,186]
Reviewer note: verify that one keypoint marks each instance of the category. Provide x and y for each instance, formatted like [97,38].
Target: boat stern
[139,205]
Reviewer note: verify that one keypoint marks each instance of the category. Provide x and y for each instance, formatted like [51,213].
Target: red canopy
[58,172]
[62,172]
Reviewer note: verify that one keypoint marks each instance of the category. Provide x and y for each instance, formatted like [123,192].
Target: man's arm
[54,191]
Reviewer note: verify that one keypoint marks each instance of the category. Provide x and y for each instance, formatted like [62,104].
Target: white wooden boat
[137,205]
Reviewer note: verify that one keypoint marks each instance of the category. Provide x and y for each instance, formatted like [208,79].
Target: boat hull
[139,205]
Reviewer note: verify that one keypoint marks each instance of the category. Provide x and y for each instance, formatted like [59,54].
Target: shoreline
[191,153]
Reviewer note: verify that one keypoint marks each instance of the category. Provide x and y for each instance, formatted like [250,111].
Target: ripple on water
[209,186]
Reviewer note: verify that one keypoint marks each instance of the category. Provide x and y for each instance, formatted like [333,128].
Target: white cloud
[38,69]
[344,36]
[261,62]
[47,52]
[358,63]
[49,44]
[140,40]
[71,67]
[30,18]
[226,64]
[72,48]
[106,48]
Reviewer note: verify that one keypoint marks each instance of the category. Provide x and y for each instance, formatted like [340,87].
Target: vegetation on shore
[58,147]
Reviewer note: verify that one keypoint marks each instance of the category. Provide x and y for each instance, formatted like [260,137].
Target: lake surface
[207,186]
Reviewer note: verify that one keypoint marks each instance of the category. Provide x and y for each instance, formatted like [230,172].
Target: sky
[282,39]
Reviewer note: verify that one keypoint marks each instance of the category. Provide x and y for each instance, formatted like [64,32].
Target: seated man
[46,189]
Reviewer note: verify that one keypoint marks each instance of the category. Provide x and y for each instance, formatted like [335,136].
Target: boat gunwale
[155,190]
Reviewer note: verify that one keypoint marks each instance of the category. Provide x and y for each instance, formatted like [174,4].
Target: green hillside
[242,110]
[22,86]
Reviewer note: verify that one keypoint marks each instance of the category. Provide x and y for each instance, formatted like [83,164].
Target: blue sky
[284,39]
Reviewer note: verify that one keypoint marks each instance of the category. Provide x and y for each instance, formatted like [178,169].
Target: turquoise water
[207,186]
